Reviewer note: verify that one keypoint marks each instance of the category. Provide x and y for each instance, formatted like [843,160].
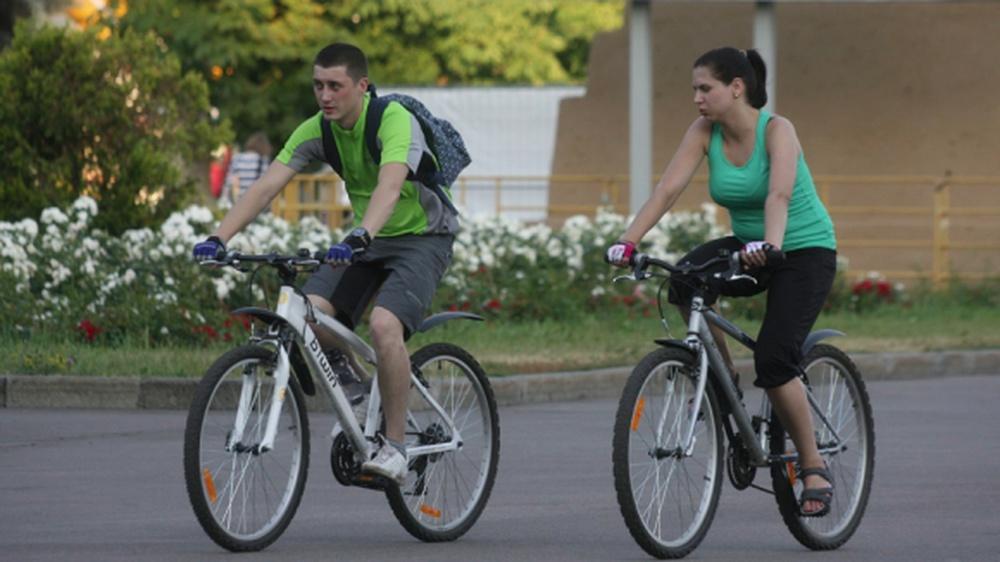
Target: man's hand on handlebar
[210,249]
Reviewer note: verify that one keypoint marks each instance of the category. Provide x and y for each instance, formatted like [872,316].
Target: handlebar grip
[774,255]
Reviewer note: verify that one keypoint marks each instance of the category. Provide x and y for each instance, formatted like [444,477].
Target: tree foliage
[113,119]
[257,53]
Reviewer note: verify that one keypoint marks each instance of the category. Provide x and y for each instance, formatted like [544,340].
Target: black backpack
[445,143]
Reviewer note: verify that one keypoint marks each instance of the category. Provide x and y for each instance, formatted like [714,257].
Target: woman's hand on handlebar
[758,253]
[620,253]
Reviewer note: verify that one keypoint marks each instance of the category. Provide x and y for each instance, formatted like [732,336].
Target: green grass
[504,347]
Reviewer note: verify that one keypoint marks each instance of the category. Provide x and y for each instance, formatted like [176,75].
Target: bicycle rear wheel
[445,493]
[244,499]
[838,391]
[668,498]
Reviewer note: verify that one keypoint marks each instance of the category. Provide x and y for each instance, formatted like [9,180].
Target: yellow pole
[496,194]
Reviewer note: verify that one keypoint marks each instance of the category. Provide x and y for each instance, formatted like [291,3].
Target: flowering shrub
[874,290]
[504,267]
[61,276]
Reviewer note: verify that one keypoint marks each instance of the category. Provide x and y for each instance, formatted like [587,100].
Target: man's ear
[363,83]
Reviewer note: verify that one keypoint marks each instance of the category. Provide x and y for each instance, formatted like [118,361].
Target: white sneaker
[387,462]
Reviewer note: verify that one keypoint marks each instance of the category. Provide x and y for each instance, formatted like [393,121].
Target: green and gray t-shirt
[400,139]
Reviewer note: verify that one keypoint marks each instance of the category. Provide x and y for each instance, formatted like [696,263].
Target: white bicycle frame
[297,314]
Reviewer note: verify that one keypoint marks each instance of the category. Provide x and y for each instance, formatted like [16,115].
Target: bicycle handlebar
[303,259]
[640,263]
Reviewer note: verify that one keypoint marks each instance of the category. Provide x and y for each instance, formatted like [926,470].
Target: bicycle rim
[842,399]
[245,499]
[444,493]
[668,499]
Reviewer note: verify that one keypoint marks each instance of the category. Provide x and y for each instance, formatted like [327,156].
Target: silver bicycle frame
[295,310]
[701,340]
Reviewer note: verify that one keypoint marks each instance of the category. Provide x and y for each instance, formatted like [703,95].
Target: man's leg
[393,370]
[326,339]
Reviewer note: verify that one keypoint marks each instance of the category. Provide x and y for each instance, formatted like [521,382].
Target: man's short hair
[343,54]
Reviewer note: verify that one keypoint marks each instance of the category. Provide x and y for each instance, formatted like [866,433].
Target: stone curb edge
[60,391]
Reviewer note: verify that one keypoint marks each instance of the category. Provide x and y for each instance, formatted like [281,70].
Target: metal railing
[550,197]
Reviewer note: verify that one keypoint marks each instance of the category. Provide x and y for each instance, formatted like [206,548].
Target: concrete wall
[873,89]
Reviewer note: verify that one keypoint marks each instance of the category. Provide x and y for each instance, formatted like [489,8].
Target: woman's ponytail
[758,94]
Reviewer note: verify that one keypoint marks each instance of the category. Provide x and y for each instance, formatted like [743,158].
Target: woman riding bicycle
[758,172]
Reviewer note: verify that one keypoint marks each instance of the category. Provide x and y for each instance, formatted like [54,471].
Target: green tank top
[742,190]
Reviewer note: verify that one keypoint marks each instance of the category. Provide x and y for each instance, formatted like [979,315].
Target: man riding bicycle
[396,255]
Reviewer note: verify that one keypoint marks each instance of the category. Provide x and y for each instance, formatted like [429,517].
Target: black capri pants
[796,290]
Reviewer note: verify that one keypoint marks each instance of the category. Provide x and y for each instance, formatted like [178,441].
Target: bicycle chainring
[741,471]
[347,469]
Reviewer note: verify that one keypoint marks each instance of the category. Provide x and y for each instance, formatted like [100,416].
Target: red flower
[863,287]
[883,289]
[209,331]
[493,304]
[88,329]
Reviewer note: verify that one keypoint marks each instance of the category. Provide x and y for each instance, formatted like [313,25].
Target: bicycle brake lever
[630,277]
[738,276]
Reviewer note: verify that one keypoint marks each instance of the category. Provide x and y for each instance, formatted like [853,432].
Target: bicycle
[680,400]
[246,443]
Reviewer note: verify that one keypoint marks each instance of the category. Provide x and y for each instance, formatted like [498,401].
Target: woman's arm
[783,149]
[675,178]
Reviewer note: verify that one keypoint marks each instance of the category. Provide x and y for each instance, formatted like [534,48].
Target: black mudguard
[442,317]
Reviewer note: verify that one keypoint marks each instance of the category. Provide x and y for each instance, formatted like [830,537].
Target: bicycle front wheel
[244,498]
[445,493]
[667,494]
[839,395]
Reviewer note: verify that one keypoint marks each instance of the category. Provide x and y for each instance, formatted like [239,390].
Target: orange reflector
[206,476]
[428,510]
[790,468]
[640,405]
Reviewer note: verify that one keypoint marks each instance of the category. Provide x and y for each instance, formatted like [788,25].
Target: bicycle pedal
[371,482]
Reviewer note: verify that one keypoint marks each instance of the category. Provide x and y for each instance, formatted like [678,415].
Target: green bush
[113,119]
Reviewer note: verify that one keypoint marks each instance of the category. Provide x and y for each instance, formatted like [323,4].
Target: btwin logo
[318,354]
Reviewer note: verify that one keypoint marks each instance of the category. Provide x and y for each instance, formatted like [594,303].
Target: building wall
[873,89]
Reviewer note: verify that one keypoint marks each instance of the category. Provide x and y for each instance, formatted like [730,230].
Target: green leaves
[113,119]
[257,54]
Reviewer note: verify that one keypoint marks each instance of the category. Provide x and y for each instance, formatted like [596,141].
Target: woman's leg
[790,403]
[796,293]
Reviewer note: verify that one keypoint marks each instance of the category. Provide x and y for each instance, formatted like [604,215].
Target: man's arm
[390,183]
[257,197]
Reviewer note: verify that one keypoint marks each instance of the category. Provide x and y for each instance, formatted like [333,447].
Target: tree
[114,119]
[256,54]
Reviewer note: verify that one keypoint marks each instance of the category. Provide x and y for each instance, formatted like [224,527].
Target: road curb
[64,391]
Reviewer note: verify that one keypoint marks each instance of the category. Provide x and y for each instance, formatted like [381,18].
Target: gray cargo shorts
[400,273]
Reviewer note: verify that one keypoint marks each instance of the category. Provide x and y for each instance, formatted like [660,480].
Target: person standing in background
[245,167]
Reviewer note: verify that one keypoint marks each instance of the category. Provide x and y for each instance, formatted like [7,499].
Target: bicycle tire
[637,457]
[229,491]
[833,379]
[431,504]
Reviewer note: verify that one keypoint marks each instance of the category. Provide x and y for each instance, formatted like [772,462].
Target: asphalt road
[108,485]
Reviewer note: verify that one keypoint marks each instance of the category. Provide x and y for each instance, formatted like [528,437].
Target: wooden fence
[905,227]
